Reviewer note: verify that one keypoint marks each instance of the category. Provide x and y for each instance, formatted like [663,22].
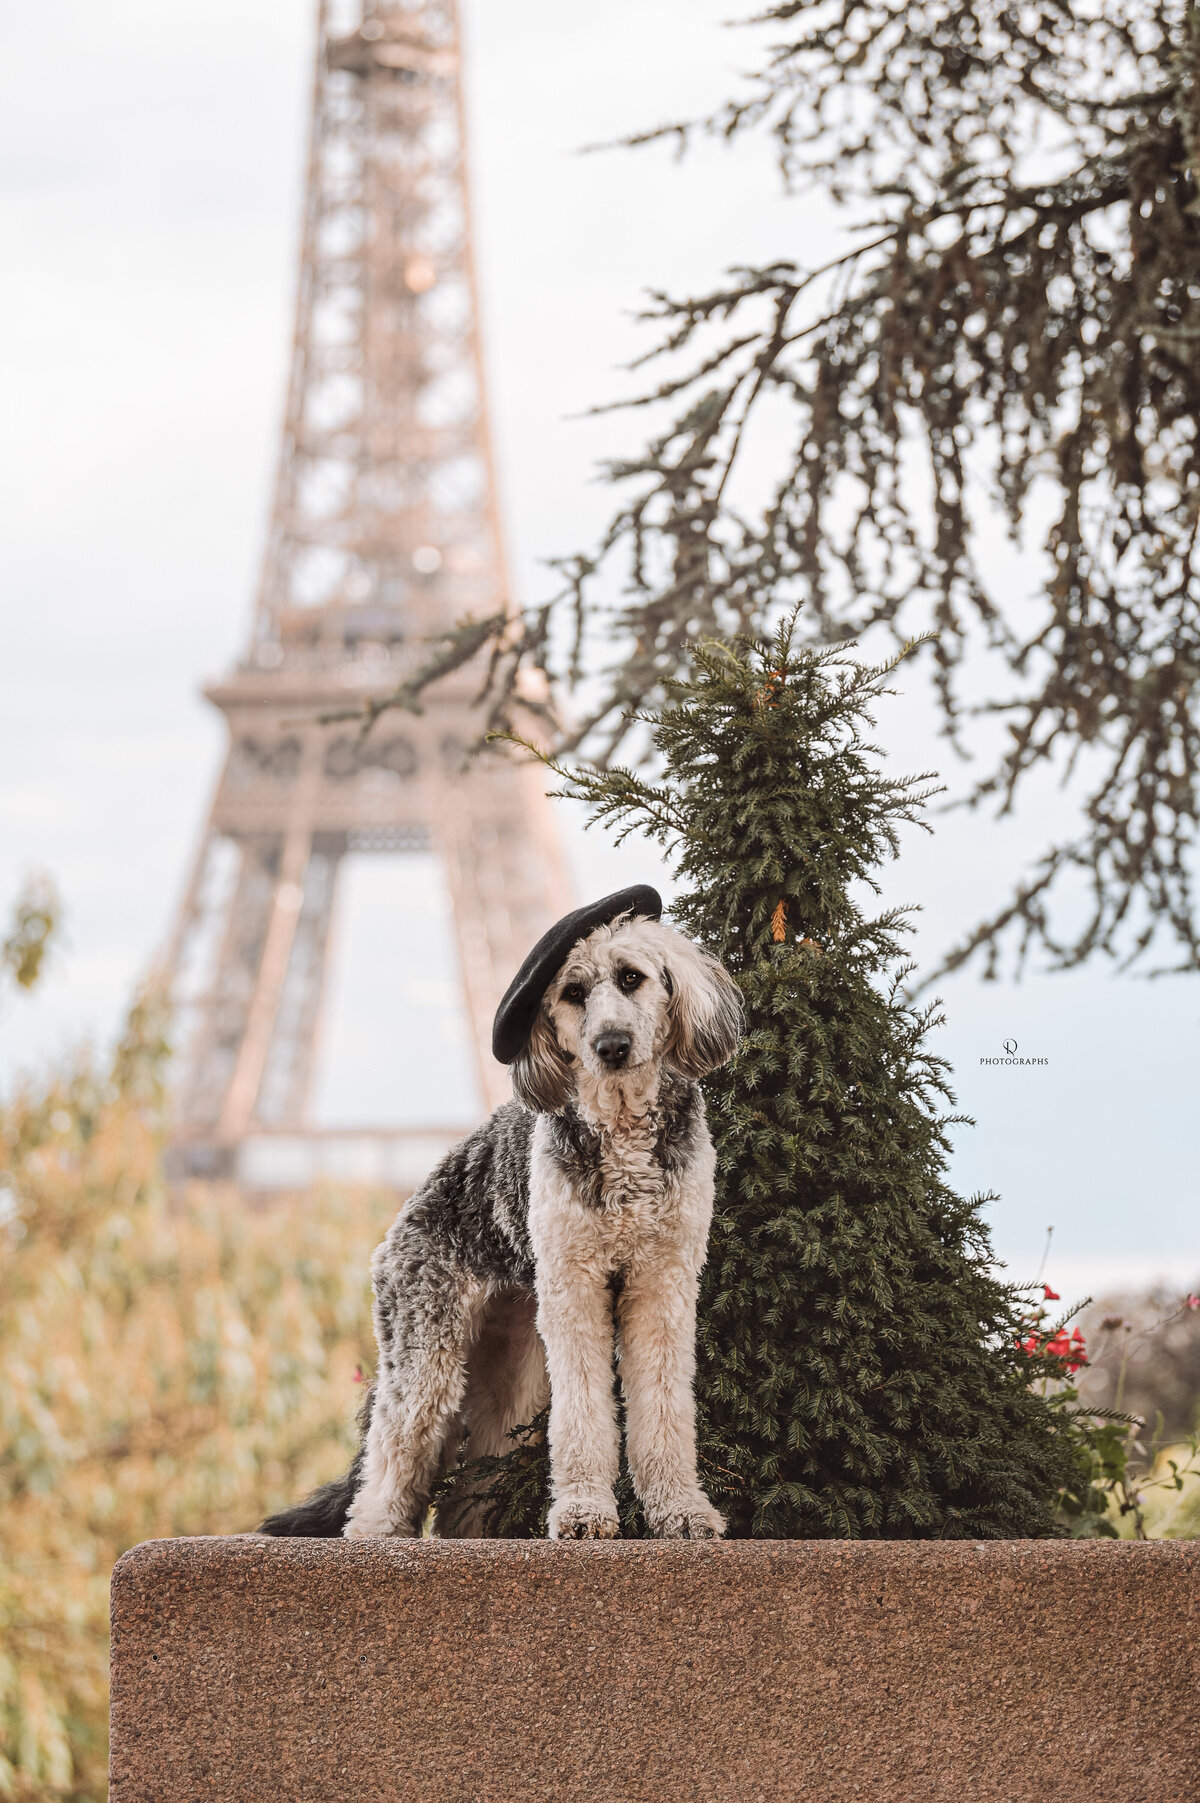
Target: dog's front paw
[584,1518]
[689,1518]
[377,1524]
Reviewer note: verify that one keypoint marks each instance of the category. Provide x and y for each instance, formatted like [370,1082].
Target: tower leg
[240,1097]
[287,1073]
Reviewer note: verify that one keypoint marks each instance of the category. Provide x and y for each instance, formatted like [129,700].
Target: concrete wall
[248,1670]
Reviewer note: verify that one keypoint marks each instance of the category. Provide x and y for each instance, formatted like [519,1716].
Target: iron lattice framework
[384,530]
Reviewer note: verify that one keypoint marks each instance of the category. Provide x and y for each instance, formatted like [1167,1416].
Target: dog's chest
[632,1177]
[617,1159]
[630,1207]
[607,1192]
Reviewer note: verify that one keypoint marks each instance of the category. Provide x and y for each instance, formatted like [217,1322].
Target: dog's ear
[541,1075]
[705,1009]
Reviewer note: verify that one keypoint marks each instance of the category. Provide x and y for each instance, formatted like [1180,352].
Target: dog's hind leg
[507,1386]
[424,1322]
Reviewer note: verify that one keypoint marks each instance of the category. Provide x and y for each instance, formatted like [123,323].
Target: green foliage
[514,1485]
[1118,1478]
[859,1366]
[1165,1503]
[1105,1448]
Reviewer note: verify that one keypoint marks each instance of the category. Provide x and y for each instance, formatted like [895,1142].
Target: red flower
[1070,1348]
[1049,1294]
[1192,1302]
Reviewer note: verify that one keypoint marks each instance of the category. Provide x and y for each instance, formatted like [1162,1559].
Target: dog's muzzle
[613,1049]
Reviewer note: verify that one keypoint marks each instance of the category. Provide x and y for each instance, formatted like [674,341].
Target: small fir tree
[859,1367]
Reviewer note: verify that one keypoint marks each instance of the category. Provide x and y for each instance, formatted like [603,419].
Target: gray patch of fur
[673,1122]
[472,1211]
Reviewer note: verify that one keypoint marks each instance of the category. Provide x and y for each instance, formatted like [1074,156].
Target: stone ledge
[282,1671]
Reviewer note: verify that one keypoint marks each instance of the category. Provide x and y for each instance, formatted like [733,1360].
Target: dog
[576,1217]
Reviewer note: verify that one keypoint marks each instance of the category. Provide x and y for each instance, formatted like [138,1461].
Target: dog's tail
[322,1515]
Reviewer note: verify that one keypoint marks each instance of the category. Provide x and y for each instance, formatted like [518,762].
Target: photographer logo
[1011,1056]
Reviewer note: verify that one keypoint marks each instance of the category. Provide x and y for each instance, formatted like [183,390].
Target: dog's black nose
[613,1048]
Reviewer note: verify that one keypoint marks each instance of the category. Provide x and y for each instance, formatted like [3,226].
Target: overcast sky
[150,170]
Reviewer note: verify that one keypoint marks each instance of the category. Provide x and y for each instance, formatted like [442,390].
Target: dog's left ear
[705,1008]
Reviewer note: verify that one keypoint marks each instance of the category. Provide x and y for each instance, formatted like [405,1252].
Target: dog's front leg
[656,1318]
[575,1322]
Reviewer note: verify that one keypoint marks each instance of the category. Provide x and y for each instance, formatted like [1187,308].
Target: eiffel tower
[384,531]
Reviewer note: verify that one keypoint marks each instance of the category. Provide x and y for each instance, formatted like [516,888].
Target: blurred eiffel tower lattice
[384,530]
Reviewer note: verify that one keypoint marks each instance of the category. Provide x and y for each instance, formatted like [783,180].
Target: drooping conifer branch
[1012,332]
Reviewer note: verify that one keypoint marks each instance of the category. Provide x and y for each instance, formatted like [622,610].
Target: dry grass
[162,1371]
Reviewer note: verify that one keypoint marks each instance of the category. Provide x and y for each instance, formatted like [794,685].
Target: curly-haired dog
[578,1210]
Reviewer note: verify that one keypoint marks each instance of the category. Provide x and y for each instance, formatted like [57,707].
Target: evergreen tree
[859,1367]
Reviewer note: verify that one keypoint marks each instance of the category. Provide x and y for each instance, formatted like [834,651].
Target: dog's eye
[629,979]
[573,993]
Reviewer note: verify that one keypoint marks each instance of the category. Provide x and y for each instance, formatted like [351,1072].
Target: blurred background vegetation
[167,1366]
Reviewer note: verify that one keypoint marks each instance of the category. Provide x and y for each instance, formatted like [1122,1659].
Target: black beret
[518,1011]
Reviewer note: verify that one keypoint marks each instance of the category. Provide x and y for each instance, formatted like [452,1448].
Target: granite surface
[249,1670]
